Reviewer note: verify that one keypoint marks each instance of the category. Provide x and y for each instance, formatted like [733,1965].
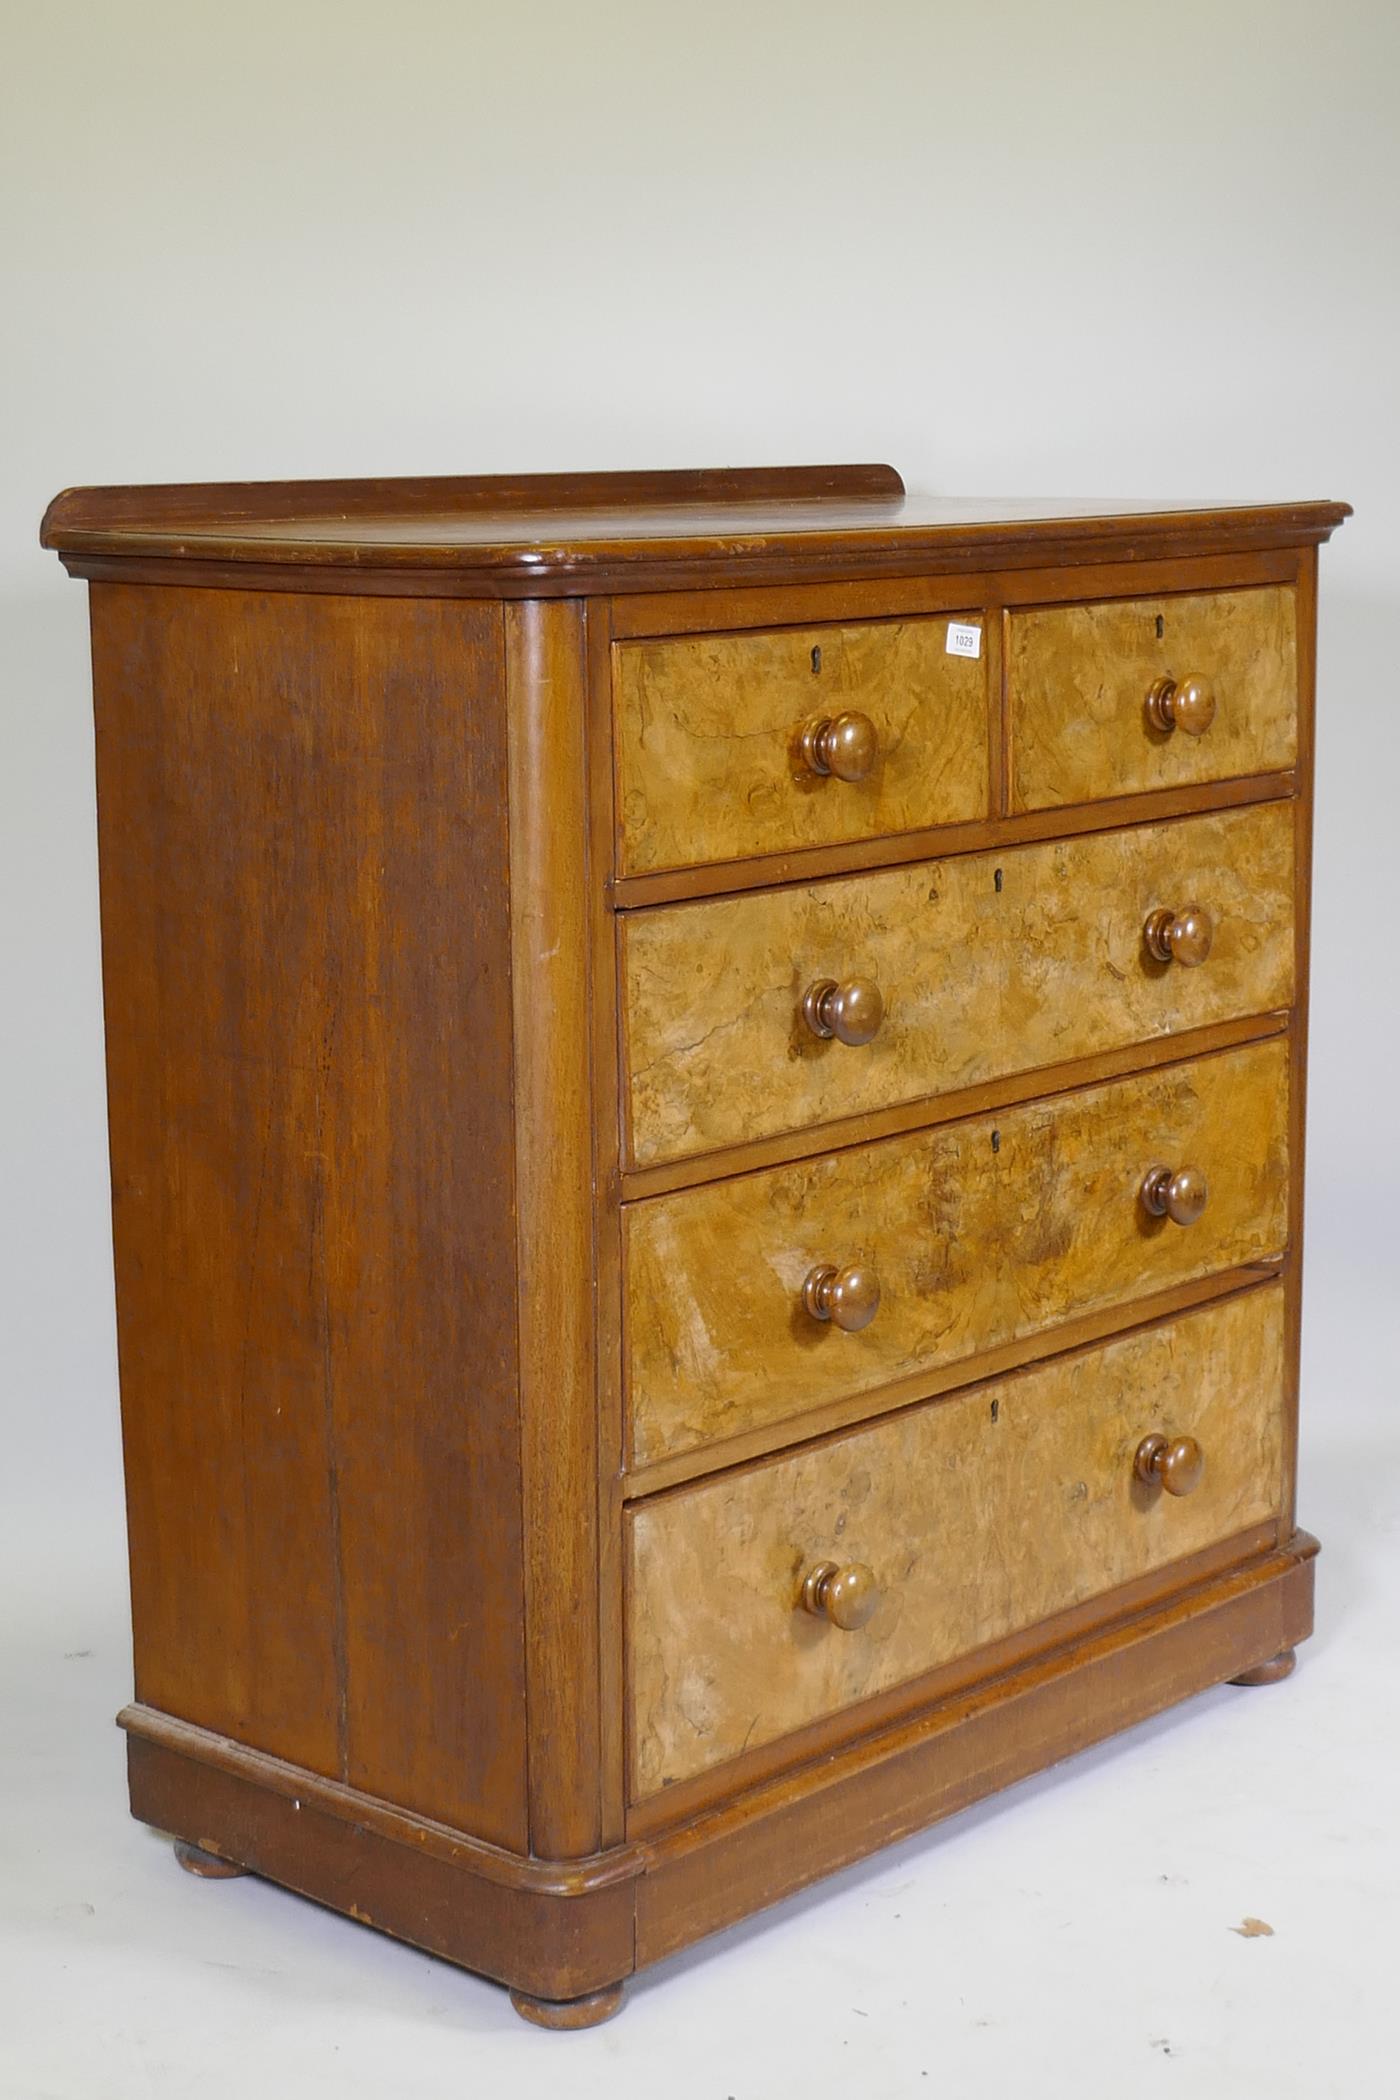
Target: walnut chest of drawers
[706,1085]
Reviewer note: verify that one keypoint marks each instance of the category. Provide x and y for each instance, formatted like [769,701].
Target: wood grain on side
[978,1514]
[709,739]
[303,856]
[1078,677]
[978,1232]
[988,963]
[550,925]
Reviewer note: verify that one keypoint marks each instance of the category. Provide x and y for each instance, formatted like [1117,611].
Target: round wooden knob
[845,745]
[1180,1195]
[849,1297]
[1183,936]
[1175,1462]
[847,1596]
[852,1011]
[1182,703]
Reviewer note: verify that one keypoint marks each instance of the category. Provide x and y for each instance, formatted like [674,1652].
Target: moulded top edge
[594,528]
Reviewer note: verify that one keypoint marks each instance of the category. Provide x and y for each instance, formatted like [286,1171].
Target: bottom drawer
[945,1527]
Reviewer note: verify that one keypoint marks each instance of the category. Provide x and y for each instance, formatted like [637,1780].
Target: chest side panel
[303,853]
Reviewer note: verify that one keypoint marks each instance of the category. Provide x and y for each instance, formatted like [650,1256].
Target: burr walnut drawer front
[753,1015]
[731,745]
[770,1596]
[1141,693]
[751,1300]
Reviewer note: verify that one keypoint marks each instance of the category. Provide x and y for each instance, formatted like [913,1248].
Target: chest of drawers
[706,1093]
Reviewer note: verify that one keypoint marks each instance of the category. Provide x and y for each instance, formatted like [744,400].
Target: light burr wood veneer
[716,1335]
[706,1080]
[710,739]
[978,1515]
[1081,680]
[986,964]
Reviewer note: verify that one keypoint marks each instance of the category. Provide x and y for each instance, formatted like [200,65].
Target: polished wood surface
[1186,704]
[506,1176]
[857,1404]
[552,1124]
[1185,936]
[986,964]
[849,1297]
[924,1111]
[480,495]
[1179,1193]
[568,2015]
[730,745]
[1088,713]
[719,1335]
[301,807]
[977,1514]
[605,1278]
[848,1597]
[1302,935]
[847,1730]
[563,535]
[1274,1671]
[1064,575]
[205,1866]
[556,1933]
[841,747]
[809,864]
[847,1011]
[1175,1463]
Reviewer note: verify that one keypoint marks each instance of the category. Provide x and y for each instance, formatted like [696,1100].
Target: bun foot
[1272,1672]
[565,2013]
[207,1865]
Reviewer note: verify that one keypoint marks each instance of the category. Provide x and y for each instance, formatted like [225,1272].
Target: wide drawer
[974,1517]
[710,729]
[1140,693]
[967,1236]
[987,964]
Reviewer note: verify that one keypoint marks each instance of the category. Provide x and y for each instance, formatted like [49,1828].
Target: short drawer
[985,965]
[951,1525]
[731,745]
[1140,693]
[749,1300]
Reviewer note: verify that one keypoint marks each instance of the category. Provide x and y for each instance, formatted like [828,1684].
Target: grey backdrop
[1096,249]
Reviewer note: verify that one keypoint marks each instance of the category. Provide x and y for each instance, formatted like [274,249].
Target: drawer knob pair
[1177,1193]
[852,1011]
[1175,1463]
[844,745]
[848,1597]
[1186,703]
[849,1297]
[1183,936]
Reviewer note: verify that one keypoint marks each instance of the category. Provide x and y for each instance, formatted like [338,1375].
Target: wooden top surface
[615,531]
